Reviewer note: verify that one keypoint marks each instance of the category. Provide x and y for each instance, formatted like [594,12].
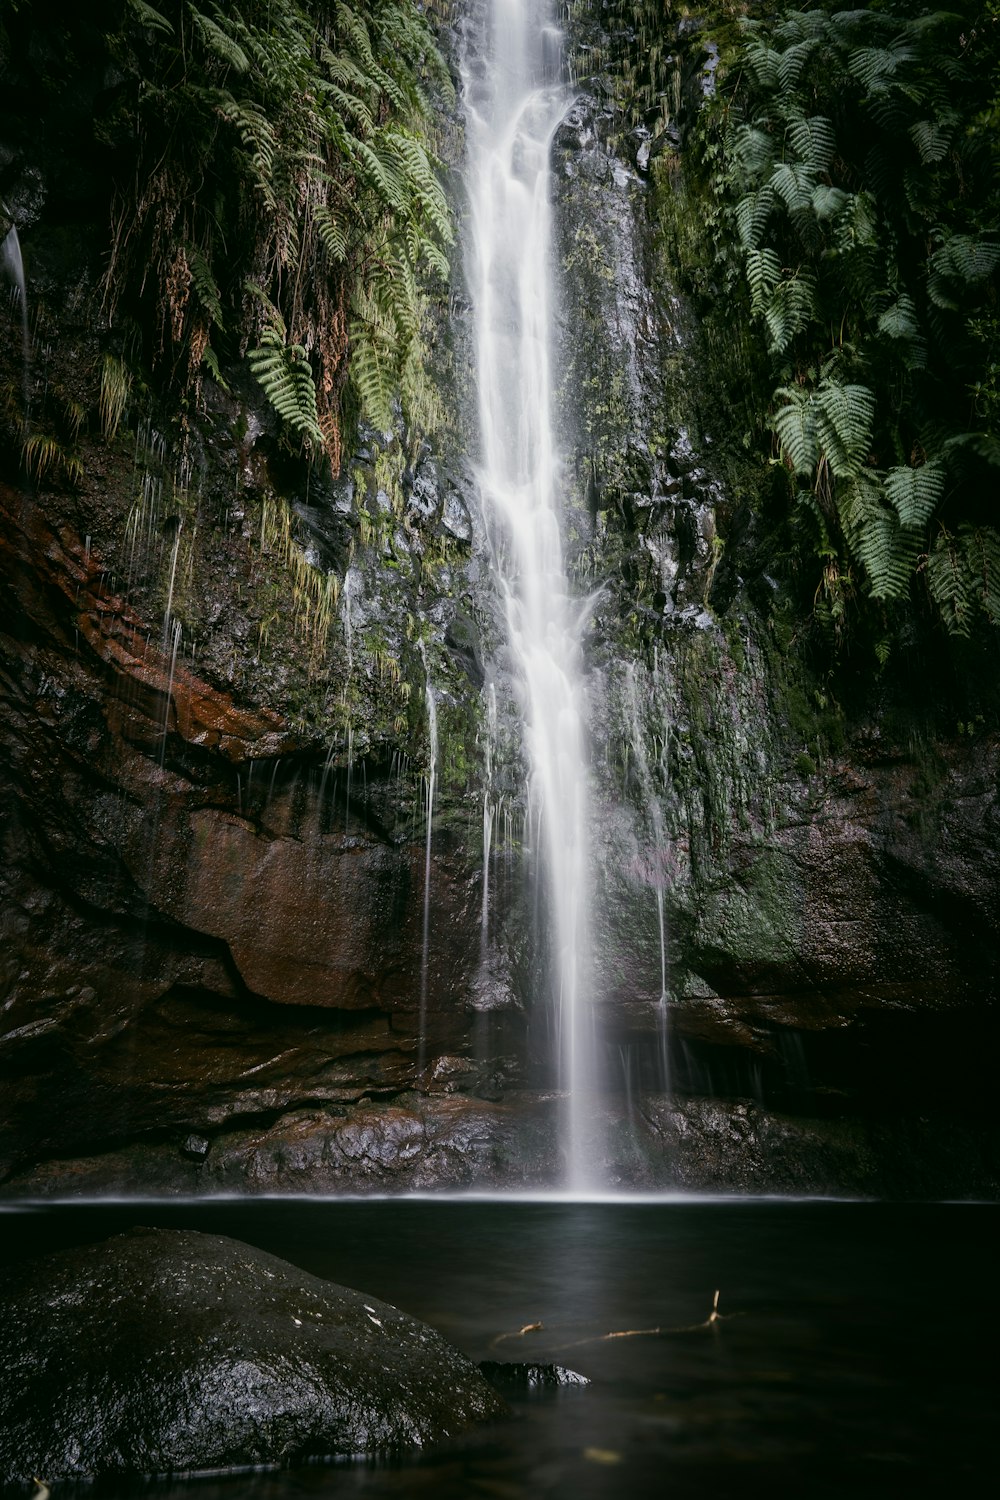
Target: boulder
[169,1351]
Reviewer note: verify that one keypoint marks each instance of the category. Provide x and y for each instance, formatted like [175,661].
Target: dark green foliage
[284,199]
[866,209]
[846,174]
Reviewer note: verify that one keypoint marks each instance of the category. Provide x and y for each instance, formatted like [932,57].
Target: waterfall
[431,778]
[13,266]
[514,101]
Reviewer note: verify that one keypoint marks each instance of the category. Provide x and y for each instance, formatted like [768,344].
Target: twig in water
[42,1492]
[519,1334]
[638,1333]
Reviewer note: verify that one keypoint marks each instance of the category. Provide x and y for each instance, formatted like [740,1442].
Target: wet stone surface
[163,1351]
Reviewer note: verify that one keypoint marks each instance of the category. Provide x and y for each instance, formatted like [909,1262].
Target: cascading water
[12,264]
[514,101]
[431,778]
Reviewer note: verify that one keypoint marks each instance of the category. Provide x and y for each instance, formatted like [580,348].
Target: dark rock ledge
[164,1352]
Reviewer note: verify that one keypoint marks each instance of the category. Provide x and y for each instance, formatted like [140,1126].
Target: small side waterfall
[431,779]
[514,101]
[12,263]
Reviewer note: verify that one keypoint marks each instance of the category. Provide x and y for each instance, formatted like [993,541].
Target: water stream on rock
[13,265]
[432,734]
[514,101]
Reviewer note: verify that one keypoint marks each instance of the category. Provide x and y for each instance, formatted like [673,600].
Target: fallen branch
[640,1333]
[519,1334]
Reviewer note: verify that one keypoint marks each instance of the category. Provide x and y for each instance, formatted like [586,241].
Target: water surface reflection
[857,1354]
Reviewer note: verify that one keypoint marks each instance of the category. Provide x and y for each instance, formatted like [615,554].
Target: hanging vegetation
[847,175]
[285,204]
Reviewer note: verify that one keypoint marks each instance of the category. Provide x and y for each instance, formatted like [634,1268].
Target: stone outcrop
[163,1352]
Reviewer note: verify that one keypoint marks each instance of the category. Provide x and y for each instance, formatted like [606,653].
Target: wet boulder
[169,1351]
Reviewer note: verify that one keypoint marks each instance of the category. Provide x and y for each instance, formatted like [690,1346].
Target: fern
[751,214]
[844,418]
[875,538]
[205,285]
[286,378]
[763,274]
[753,149]
[949,583]
[981,549]
[828,202]
[789,309]
[150,17]
[961,263]
[813,141]
[794,184]
[219,42]
[795,426]
[915,493]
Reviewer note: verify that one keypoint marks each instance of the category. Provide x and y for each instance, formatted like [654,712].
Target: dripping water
[13,265]
[432,734]
[514,102]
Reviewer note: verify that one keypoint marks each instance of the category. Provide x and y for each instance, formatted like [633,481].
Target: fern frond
[981,549]
[150,17]
[794,183]
[844,418]
[285,376]
[899,320]
[333,236]
[875,538]
[948,582]
[915,494]
[932,139]
[754,149]
[792,62]
[795,427]
[374,375]
[751,215]
[219,42]
[764,62]
[205,284]
[763,274]
[789,309]
[963,261]
[876,67]
[813,141]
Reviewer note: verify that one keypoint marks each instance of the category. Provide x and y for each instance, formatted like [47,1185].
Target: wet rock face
[201,918]
[162,1351]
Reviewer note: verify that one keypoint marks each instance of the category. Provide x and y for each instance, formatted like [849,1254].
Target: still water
[857,1355]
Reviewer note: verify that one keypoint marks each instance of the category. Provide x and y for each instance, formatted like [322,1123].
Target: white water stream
[514,101]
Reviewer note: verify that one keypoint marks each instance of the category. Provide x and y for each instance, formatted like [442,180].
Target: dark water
[857,1356]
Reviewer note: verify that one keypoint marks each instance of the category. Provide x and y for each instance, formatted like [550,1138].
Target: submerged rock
[517,1374]
[163,1351]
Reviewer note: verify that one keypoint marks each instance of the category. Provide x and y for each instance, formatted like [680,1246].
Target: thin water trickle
[12,262]
[432,735]
[513,106]
[489,814]
[656,875]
